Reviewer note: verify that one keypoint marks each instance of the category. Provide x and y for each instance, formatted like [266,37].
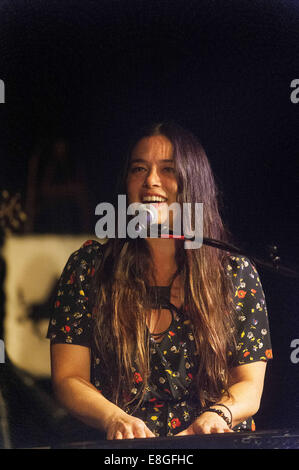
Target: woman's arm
[70,366]
[246,387]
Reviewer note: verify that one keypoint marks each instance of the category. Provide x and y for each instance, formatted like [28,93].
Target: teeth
[153,199]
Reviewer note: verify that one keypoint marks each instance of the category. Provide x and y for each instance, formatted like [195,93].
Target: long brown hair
[122,276]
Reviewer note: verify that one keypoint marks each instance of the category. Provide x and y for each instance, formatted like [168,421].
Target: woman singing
[149,338]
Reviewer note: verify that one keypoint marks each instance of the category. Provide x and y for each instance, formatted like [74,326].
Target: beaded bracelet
[219,413]
[227,408]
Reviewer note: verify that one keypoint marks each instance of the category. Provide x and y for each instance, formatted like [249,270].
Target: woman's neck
[163,255]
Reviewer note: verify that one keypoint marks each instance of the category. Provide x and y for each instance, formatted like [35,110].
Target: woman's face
[151,177]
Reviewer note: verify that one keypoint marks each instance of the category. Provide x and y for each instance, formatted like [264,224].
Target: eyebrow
[142,160]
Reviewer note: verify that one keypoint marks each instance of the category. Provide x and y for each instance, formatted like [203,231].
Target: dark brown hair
[120,320]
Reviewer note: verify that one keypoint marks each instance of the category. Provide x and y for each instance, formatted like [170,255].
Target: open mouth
[156,200]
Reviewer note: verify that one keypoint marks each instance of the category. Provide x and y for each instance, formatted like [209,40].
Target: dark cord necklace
[158,297]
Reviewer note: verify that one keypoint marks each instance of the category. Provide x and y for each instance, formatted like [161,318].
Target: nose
[152,178]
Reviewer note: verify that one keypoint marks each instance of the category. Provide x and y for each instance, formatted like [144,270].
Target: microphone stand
[274,265]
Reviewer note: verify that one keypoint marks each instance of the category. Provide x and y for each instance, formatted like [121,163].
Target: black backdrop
[92,71]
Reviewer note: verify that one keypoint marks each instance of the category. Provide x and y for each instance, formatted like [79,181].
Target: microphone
[148,220]
[148,216]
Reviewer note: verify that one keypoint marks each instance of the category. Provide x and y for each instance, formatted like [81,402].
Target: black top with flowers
[170,404]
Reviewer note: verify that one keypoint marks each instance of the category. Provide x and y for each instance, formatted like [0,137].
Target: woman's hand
[207,423]
[124,426]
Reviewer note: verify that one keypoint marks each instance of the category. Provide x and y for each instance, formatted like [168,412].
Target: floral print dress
[169,405]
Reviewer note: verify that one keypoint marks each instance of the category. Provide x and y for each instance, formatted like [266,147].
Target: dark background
[92,71]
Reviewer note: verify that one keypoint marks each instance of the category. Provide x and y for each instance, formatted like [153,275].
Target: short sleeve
[71,319]
[252,333]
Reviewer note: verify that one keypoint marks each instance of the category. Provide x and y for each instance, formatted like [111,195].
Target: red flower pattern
[175,423]
[241,294]
[269,354]
[137,377]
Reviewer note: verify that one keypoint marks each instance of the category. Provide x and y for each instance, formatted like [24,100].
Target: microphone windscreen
[147,216]
[151,211]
